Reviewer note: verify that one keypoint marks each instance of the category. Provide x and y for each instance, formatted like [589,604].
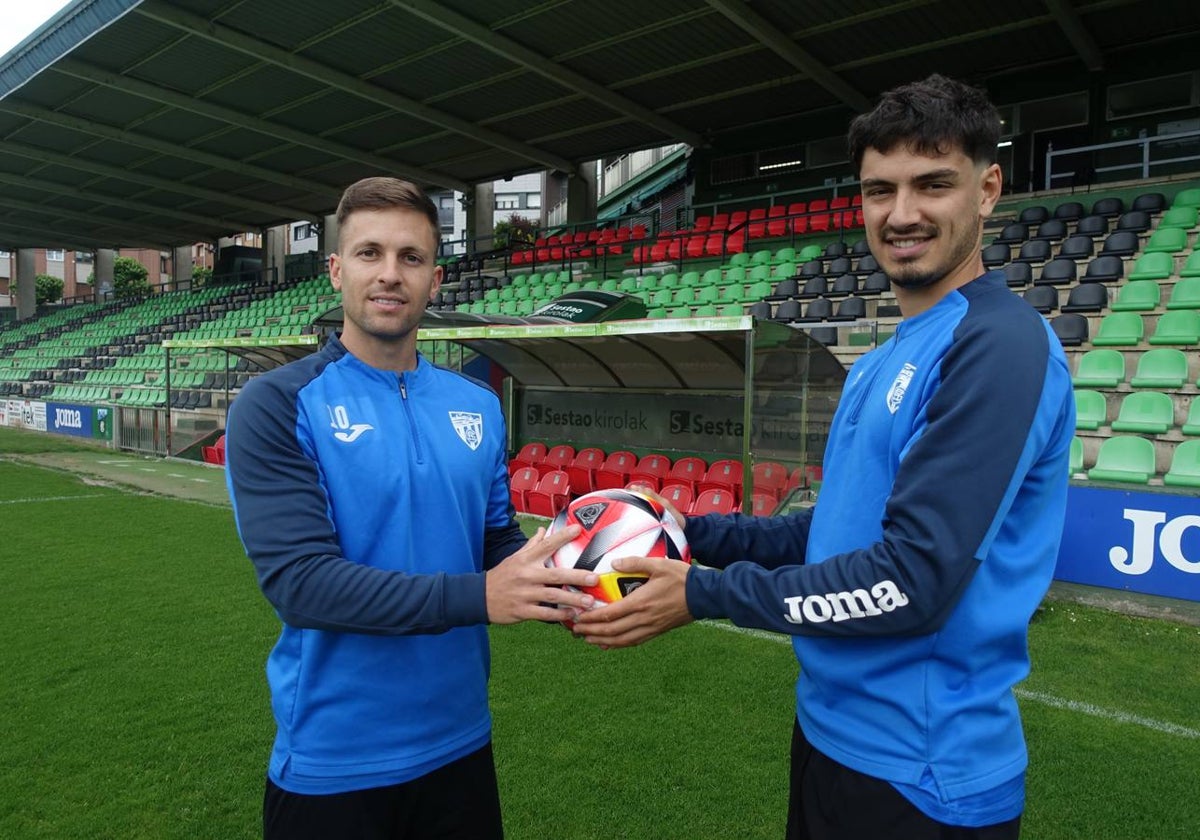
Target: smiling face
[924,219]
[387,272]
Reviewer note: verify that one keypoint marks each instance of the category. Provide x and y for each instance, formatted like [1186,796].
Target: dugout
[723,387]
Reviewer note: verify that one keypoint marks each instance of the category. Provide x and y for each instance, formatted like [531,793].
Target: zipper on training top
[413,429]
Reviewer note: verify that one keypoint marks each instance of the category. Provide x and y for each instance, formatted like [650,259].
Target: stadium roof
[164,122]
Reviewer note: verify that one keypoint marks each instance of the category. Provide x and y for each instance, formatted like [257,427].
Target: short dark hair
[935,115]
[381,193]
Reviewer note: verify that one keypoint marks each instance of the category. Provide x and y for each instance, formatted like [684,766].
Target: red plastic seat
[770,477]
[688,471]
[695,247]
[679,495]
[763,504]
[818,214]
[712,501]
[776,224]
[551,494]
[723,474]
[614,472]
[582,470]
[559,457]
[714,245]
[796,211]
[651,470]
[843,216]
[758,224]
[529,455]
[519,485]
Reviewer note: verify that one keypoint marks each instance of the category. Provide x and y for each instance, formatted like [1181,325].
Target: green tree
[49,288]
[515,230]
[201,276]
[130,278]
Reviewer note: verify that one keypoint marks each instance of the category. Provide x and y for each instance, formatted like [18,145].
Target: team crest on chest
[895,394]
[468,426]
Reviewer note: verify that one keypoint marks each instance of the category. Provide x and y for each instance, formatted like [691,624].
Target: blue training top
[933,540]
[370,503]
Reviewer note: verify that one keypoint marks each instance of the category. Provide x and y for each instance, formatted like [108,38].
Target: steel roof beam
[263,51]
[509,49]
[220,113]
[1068,20]
[202,222]
[47,210]
[162,147]
[107,171]
[778,42]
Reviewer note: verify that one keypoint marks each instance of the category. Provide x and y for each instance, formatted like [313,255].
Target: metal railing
[1125,159]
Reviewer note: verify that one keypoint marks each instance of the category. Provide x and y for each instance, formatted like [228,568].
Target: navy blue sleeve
[282,518]
[717,540]
[993,413]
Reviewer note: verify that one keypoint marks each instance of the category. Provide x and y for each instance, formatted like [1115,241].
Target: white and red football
[617,523]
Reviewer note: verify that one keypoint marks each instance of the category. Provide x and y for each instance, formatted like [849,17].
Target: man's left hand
[658,605]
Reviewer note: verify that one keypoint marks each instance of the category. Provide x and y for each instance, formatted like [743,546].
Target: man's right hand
[522,587]
[646,490]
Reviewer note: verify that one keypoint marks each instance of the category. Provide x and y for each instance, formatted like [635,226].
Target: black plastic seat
[836,249]
[1077,246]
[812,268]
[1060,271]
[846,284]
[1018,274]
[1069,211]
[876,284]
[1034,215]
[1034,251]
[1104,269]
[1086,297]
[1137,221]
[1110,207]
[1052,230]
[1071,328]
[818,309]
[867,264]
[787,311]
[814,287]
[850,309]
[1121,243]
[839,266]
[1013,233]
[760,309]
[996,254]
[1094,226]
[1154,202]
[784,289]
[1042,298]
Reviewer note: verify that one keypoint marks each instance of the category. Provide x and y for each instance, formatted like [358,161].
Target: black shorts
[457,802]
[829,801]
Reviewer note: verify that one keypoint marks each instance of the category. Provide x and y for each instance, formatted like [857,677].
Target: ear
[991,182]
[437,282]
[335,271]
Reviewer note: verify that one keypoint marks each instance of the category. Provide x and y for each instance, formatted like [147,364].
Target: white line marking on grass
[50,499]
[201,480]
[1023,693]
[121,463]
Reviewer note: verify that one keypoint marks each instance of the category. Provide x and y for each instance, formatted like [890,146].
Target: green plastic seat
[784,270]
[1145,412]
[1187,198]
[708,294]
[742,258]
[1185,294]
[1179,217]
[648,281]
[1177,326]
[708,310]
[712,277]
[1185,465]
[760,272]
[656,312]
[1167,240]
[1091,411]
[1138,296]
[689,278]
[1124,458]
[1163,368]
[809,252]
[1153,266]
[1076,457]
[784,255]
[685,295]
[1191,426]
[1191,268]
[609,284]
[1118,329]
[757,291]
[735,275]
[670,280]
[679,312]
[761,257]
[662,297]
[731,310]
[628,284]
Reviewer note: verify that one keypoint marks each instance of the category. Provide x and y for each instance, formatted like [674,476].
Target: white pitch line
[50,499]
[1025,694]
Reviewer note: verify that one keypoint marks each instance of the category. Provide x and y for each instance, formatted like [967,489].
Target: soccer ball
[616,523]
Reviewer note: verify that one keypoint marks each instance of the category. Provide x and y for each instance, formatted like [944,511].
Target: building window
[54,256]
[533,201]
[508,202]
[304,231]
[83,256]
